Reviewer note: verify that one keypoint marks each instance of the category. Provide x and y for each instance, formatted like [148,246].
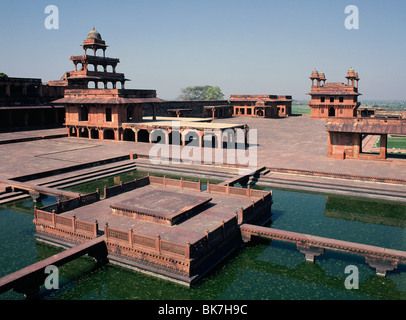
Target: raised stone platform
[168,227]
[161,206]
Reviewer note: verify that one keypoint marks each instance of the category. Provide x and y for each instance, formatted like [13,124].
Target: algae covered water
[261,270]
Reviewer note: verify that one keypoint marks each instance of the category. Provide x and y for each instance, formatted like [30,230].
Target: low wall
[67,229]
[338,175]
[67,205]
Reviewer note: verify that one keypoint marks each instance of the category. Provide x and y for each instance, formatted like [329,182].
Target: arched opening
[228,139]
[143,136]
[331,112]
[91,85]
[83,133]
[158,136]
[108,134]
[91,67]
[191,138]
[210,140]
[94,134]
[129,135]
[175,138]
[260,113]
[110,85]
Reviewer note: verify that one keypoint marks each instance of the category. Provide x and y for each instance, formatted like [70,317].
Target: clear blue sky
[243,46]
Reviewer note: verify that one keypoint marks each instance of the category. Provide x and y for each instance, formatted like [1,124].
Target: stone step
[196,172]
[14,197]
[60,183]
[101,176]
[81,172]
[10,195]
[333,187]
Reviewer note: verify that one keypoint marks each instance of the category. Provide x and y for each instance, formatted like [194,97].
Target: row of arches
[95,67]
[106,84]
[192,138]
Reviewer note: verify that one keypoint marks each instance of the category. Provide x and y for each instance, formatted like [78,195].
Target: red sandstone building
[95,106]
[97,109]
[334,99]
[25,103]
[267,106]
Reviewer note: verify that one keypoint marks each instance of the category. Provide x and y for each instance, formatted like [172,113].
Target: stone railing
[248,192]
[130,239]
[214,237]
[252,211]
[66,225]
[125,187]
[182,184]
[67,205]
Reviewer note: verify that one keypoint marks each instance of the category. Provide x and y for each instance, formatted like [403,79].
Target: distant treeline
[382,104]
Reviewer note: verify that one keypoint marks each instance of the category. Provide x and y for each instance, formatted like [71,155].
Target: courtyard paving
[293,143]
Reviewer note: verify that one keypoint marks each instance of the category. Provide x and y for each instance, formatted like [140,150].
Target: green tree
[214,93]
[3,75]
[201,93]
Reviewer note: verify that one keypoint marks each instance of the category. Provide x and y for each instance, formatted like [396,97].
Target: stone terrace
[222,207]
[294,143]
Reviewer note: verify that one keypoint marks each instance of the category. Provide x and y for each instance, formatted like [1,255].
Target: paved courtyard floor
[292,143]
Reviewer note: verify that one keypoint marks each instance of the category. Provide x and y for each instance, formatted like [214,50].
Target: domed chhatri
[93,34]
[315,73]
[351,72]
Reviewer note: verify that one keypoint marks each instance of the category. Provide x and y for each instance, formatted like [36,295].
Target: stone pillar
[201,134]
[35,196]
[135,134]
[381,265]
[357,144]
[117,134]
[383,146]
[309,251]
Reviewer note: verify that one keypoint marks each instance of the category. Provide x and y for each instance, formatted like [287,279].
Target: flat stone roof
[169,206]
[182,124]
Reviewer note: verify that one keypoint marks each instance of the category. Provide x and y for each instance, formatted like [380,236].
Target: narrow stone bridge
[36,191]
[381,259]
[28,280]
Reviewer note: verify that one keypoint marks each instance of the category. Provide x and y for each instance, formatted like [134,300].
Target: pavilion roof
[104,100]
